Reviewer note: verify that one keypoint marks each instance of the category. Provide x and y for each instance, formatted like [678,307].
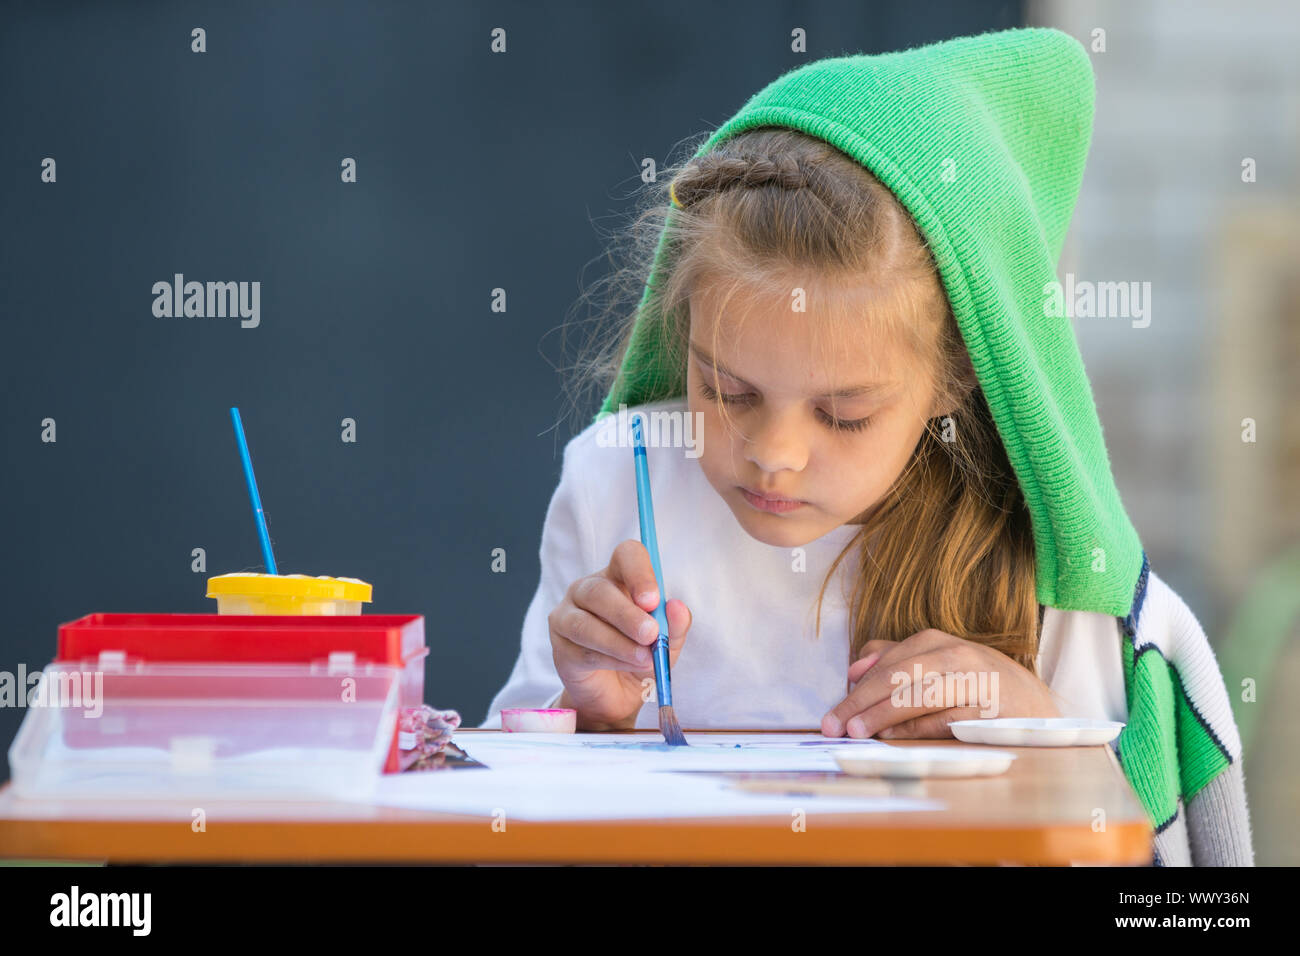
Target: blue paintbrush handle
[646,514]
[263,536]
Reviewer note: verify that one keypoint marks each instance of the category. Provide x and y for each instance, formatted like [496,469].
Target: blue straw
[258,516]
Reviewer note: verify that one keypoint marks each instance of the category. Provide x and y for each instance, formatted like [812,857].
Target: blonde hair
[950,545]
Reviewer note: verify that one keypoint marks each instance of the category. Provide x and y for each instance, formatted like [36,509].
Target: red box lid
[392,639]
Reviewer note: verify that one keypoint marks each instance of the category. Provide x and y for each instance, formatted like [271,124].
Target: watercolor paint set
[220,706]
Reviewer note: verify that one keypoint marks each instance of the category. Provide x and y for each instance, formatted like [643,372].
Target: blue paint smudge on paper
[660,748]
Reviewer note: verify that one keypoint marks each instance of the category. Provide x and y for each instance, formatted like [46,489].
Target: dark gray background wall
[475,171]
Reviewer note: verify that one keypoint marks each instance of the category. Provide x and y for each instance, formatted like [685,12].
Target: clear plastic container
[114,729]
[252,593]
[393,640]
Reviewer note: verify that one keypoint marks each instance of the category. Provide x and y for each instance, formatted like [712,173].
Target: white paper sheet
[593,793]
[629,776]
[647,751]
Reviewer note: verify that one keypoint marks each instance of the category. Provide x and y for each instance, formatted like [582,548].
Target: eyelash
[845,425]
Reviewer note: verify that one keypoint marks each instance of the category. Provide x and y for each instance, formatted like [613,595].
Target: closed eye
[843,424]
[725,398]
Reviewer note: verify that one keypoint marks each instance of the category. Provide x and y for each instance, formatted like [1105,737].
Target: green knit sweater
[984,139]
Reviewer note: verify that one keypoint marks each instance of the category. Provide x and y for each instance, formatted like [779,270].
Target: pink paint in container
[547,720]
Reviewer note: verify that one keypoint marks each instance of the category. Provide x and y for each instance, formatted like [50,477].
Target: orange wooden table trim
[1041,811]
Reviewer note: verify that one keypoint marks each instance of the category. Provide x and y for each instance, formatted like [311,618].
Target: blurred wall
[1193,185]
[475,171]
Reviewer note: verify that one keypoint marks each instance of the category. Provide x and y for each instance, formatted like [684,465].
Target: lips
[773,504]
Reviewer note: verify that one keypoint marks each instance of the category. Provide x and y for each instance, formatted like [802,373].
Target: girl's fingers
[928,727]
[861,666]
[886,714]
[922,641]
[679,622]
[589,643]
[876,692]
[630,567]
[600,596]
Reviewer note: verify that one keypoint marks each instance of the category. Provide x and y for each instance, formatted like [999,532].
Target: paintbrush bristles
[671,730]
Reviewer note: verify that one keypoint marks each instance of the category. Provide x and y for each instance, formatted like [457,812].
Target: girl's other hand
[602,636]
[886,702]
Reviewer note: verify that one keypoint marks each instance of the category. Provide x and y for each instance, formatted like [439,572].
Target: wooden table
[1054,806]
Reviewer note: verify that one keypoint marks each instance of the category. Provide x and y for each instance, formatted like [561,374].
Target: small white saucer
[913,763]
[1037,731]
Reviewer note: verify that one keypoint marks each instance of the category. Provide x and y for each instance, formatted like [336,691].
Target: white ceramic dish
[913,763]
[1037,731]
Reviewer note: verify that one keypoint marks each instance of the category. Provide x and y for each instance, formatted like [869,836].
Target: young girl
[875,456]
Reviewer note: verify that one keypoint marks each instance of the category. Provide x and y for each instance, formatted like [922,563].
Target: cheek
[722,455]
[867,468]
[717,437]
[858,477]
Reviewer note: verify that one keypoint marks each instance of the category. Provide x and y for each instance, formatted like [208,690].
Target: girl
[875,455]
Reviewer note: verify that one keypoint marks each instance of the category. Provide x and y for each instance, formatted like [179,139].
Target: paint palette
[915,763]
[1037,731]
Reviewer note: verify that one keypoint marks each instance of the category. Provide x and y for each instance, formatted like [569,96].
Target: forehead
[823,333]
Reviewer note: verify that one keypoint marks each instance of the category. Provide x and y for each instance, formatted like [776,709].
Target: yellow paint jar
[252,593]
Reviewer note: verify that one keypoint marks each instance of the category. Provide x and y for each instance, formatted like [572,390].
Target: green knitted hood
[1006,118]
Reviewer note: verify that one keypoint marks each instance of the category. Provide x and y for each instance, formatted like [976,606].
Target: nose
[774,442]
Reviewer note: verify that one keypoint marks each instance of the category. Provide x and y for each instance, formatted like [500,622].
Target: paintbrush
[259,516]
[668,725]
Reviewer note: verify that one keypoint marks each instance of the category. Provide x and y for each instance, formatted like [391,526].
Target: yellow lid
[322,588]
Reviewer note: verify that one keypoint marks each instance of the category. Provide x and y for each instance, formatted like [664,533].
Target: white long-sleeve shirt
[751,658]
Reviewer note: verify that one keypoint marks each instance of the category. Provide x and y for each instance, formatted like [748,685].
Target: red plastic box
[393,640]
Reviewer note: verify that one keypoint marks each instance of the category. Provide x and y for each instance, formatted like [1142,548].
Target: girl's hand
[893,707]
[602,636]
